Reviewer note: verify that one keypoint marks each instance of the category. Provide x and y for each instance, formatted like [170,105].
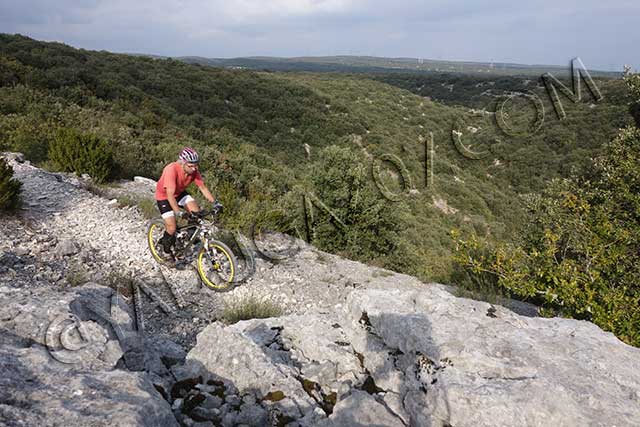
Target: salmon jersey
[174,177]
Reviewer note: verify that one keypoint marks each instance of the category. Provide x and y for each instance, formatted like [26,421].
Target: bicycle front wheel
[217,266]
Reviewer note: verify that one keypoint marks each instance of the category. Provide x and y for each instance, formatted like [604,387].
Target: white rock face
[143,180]
[360,409]
[484,367]
[44,382]
[426,358]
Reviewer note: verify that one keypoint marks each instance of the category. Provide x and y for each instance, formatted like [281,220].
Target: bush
[9,187]
[579,254]
[76,275]
[72,151]
[633,82]
[28,135]
[346,214]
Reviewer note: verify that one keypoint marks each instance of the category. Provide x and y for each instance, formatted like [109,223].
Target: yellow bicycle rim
[203,276]
[152,245]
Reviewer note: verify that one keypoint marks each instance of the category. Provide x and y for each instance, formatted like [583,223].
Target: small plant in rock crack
[382,273]
[250,307]
[97,189]
[126,201]
[321,258]
[76,275]
[120,282]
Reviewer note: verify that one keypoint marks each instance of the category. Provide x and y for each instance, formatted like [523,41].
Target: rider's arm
[203,188]
[206,193]
[170,180]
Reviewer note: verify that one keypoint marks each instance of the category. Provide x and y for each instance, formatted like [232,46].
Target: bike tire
[219,258]
[156,227]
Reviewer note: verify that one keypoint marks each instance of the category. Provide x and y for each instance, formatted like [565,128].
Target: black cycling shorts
[165,208]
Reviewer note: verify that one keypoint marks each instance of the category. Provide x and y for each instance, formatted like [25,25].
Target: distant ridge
[348,63]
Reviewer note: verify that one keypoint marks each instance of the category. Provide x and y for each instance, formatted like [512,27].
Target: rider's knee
[170,224]
[192,206]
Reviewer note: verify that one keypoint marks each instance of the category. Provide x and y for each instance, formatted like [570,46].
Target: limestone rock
[463,367]
[360,409]
[15,157]
[37,390]
[143,180]
[67,248]
[229,354]
[428,358]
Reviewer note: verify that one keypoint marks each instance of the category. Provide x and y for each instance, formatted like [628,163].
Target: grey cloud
[537,31]
[40,12]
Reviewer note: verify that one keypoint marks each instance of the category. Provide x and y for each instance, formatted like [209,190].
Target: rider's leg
[170,224]
[169,237]
[184,201]
[192,206]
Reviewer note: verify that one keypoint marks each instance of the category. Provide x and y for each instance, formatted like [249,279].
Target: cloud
[538,31]
[254,10]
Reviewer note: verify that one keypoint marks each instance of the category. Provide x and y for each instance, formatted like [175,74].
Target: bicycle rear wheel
[155,231]
[217,266]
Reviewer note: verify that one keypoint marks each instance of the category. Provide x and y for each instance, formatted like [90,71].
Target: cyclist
[171,195]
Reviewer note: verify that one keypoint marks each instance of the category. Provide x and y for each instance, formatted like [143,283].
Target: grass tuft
[250,307]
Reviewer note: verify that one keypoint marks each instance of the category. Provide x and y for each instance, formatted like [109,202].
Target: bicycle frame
[200,237]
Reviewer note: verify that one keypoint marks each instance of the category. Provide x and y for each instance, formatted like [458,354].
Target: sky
[604,34]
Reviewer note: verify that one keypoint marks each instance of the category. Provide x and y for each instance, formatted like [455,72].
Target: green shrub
[149,208]
[250,307]
[27,135]
[633,83]
[72,151]
[98,189]
[9,187]
[76,275]
[579,254]
[346,214]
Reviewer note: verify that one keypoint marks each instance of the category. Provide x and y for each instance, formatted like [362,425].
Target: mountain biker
[171,195]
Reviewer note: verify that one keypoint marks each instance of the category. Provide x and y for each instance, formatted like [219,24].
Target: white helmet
[189,155]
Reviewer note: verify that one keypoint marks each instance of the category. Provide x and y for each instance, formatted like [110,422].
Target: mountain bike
[215,262]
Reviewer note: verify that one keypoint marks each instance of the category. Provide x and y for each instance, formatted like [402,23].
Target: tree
[369,225]
[633,81]
[9,187]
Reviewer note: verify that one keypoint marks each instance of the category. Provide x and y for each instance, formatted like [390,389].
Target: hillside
[252,128]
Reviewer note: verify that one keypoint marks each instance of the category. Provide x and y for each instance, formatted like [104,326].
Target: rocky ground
[68,235]
[140,344]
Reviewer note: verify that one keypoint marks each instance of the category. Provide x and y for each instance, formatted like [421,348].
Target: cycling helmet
[189,155]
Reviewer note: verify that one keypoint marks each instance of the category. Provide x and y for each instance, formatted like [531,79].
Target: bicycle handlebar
[201,214]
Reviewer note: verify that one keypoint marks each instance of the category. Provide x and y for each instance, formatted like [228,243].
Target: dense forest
[388,164]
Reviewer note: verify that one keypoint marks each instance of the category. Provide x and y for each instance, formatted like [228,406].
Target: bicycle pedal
[167,258]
